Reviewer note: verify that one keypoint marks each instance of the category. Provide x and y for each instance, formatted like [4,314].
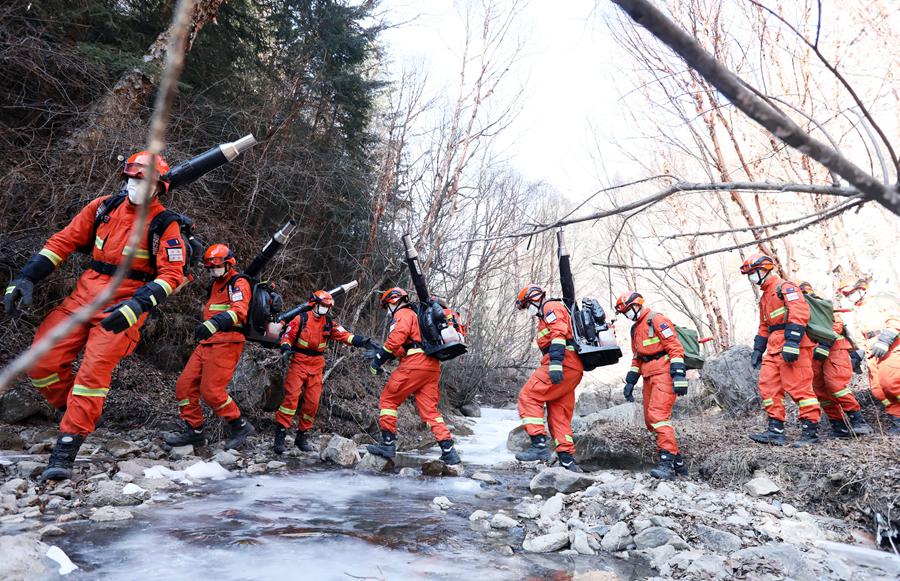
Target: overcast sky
[566,71]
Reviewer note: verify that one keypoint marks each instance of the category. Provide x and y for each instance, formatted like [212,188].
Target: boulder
[630,414]
[732,380]
[19,404]
[226,458]
[121,448]
[557,479]
[784,558]
[501,521]
[442,502]
[552,507]
[546,543]
[717,540]
[179,452]
[595,447]
[527,509]
[470,410]
[592,400]
[109,493]
[578,540]
[439,468]
[518,440]
[708,567]
[484,477]
[408,472]
[375,463]
[275,465]
[761,486]
[11,441]
[341,451]
[29,468]
[14,486]
[136,466]
[652,537]
[617,538]
[110,513]
[23,558]
[479,515]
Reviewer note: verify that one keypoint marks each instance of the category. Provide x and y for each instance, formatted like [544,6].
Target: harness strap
[109,269]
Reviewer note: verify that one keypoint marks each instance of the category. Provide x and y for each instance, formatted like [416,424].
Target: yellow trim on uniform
[533,421]
[558,341]
[227,401]
[322,345]
[165,286]
[210,327]
[234,317]
[286,411]
[220,307]
[569,439]
[86,391]
[543,332]
[635,369]
[308,417]
[807,402]
[661,424]
[415,350]
[184,402]
[55,258]
[129,315]
[42,382]
[677,360]
[98,242]
[139,253]
[388,412]
[768,402]
[651,341]
[885,402]
[10,289]
[776,312]
[556,367]
[788,349]
[302,343]
[842,392]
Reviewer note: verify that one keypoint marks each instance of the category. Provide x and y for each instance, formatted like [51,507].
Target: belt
[779,327]
[109,269]
[309,352]
[654,357]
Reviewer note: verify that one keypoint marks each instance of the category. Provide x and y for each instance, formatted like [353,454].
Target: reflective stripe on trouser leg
[796,379]
[770,386]
[187,389]
[219,363]
[427,397]
[312,393]
[658,389]
[531,406]
[58,360]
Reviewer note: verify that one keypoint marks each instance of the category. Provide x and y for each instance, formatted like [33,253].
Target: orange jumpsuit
[831,377]
[308,341]
[418,375]
[212,363]
[554,333]
[873,316]
[777,376]
[83,393]
[655,348]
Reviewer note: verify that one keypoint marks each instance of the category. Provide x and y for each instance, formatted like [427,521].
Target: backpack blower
[335,293]
[440,339]
[594,341]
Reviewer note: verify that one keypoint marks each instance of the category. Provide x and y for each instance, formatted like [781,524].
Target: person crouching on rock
[209,370]
[659,359]
[303,345]
[553,383]
[418,375]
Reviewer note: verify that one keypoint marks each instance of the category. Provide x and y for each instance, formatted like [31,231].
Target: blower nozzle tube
[196,167]
[275,243]
[567,281]
[335,292]
[418,279]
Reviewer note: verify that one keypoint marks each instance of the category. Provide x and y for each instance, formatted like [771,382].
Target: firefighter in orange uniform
[113,331]
[878,324]
[303,344]
[209,370]
[659,359]
[418,375]
[784,352]
[553,383]
[832,371]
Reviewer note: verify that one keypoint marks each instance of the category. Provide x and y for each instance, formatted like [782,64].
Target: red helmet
[850,284]
[218,255]
[530,293]
[137,163]
[321,297]
[628,300]
[757,262]
[806,287]
[392,296]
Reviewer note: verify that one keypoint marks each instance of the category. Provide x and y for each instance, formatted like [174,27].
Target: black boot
[567,461]
[809,434]
[187,436]
[893,426]
[537,451]
[858,424]
[62,458]
[302,442]
[388,446]
[280,433]
[449,455]
[241,429]
[774,435]
[681,468]
[839,429]
[665,466]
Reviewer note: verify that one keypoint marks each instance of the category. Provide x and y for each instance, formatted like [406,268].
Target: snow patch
[66,565]
[199,471]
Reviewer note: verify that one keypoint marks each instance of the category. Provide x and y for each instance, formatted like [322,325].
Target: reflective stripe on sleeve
[556,367]
[414,351]
[558,341]
[129,315]
[543,332]
[55,258]
[234,317]
[788,349]
[165,286]
[139,253]
[307,417]
[210,327]
[678,360]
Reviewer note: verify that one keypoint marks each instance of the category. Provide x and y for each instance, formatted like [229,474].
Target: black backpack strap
[329,325]
[103,210]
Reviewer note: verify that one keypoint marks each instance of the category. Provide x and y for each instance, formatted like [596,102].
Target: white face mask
[217,271]
[631,314]
[135,189]
[321,310]
[856,296]
[533,309]
[757,276]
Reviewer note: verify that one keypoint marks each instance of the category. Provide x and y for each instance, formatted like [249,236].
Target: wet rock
[438,468]
[121,448]
[618,537]
[518,440]
[98,477]
[275,465]
[610,510]
[761,486]
[658,536]
[546,543]
[110,513]
[123,477]
[442,502]
[258,468]
[578,540]
[136,466]
[29,469]
[718,540]
[23,558]
[110,493]
[552,508]
[179,452]
[708,567]
[733,380]
[226,458]
[552,480]
[51,531]
[135,490]
[57,555]
[484,477]
[14,486]
[20,403]
[68,517]
[630,414]
[341,451]
[596,447]
[501,521]
[11,441]
[375,463]
[479,515]
[470,410]
[506,551]
[527,509]
[788,510]
[783,557]
[409,472]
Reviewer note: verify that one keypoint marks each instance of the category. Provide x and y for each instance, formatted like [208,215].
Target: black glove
[793,334]
[379,358]
[856,359]
[122,316]
[759,349]
[822,351]
[883,344]
[286,352]
[362,342]
[678,371]
[19,291]
[209,327]
[631,378]
[556,373]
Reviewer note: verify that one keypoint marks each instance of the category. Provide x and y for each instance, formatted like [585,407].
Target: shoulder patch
[236,295]
[666,332]
[175,254]
[550,317]
[791,295]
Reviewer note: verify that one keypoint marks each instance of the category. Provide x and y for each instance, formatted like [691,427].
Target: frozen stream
[320,523]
